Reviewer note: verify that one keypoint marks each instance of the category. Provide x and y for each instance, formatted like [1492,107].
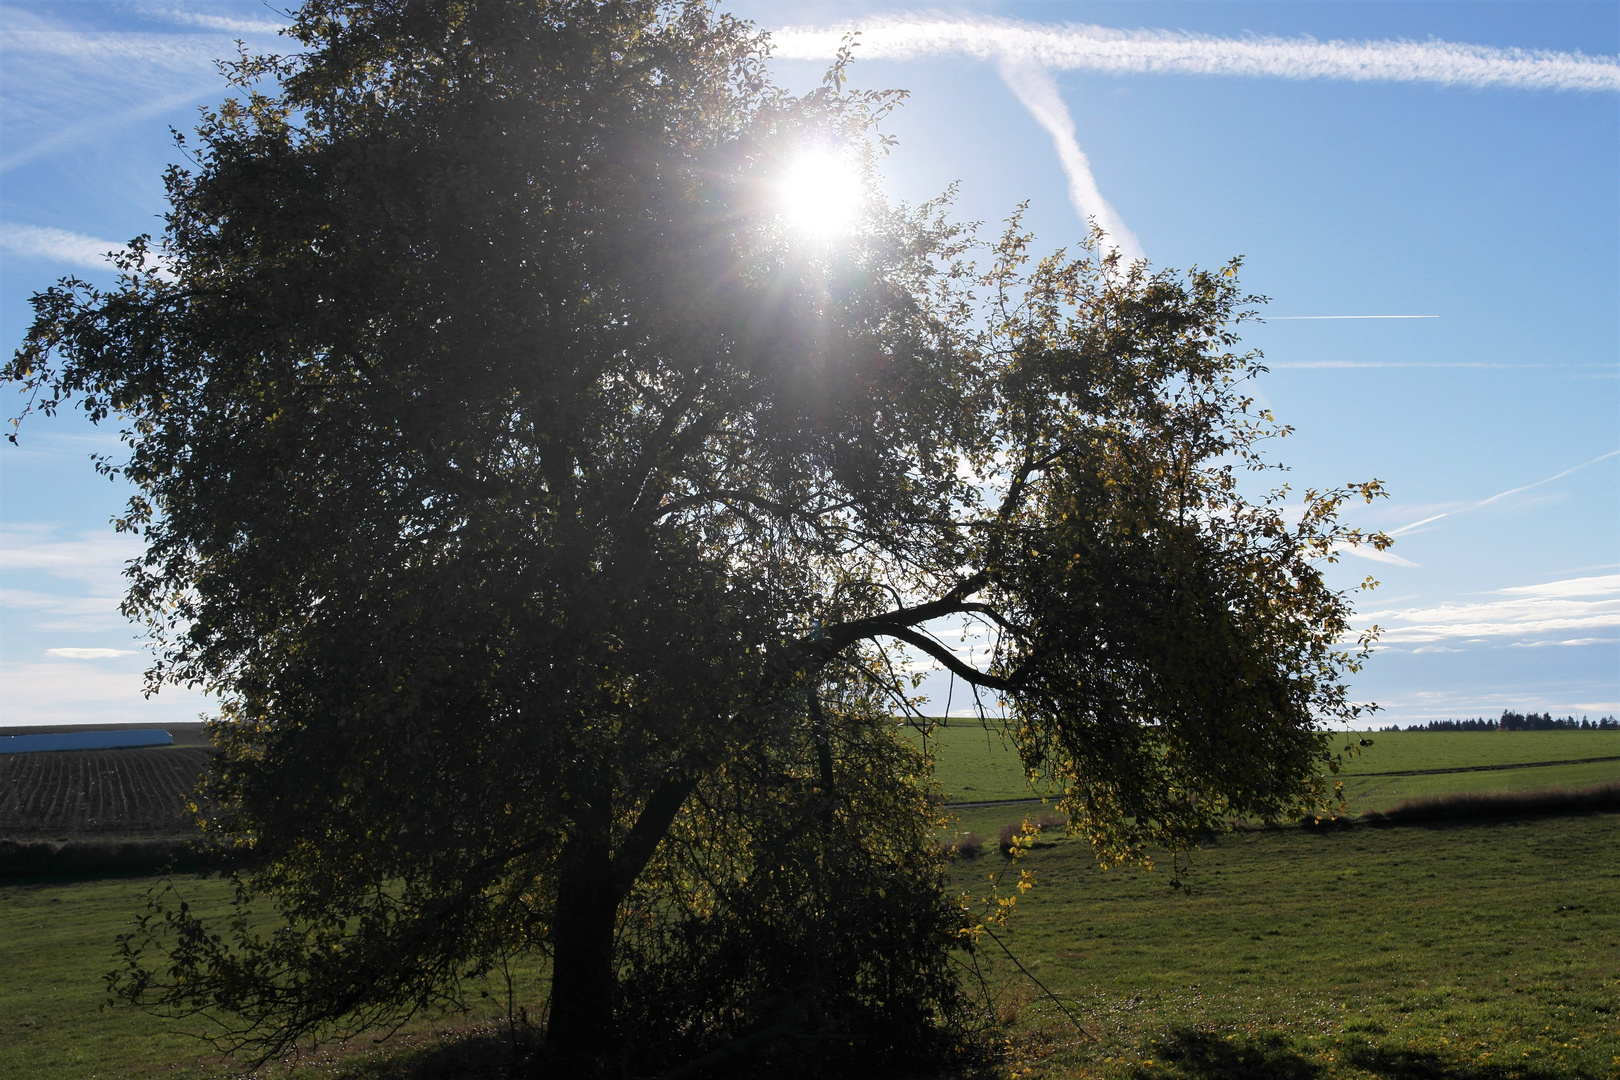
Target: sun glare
[821,192]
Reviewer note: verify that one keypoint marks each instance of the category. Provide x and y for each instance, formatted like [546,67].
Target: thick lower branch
[901,624]
[651,825]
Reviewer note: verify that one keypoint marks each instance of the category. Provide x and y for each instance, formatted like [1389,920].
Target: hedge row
[49,858]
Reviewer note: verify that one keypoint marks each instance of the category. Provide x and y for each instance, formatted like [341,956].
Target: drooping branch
[901,624]
[675,506]
[955,602]
[939,652]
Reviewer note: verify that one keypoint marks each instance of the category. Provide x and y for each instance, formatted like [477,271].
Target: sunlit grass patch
[1487,950]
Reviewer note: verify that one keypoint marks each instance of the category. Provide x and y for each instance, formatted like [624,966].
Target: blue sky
[1458,161]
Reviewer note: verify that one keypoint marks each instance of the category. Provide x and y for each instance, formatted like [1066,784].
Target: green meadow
[1482,952]
[1485,951]
[974,763]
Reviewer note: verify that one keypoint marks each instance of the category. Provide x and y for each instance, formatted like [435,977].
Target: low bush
[968,845]
[1050,820]
[1014,833]
[48,858]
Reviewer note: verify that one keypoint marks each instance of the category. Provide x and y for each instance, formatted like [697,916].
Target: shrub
[42,858]
[1051,820]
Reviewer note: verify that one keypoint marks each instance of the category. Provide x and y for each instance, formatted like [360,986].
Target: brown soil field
[74,793]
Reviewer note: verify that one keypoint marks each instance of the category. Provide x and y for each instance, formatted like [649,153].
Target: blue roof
[85,740]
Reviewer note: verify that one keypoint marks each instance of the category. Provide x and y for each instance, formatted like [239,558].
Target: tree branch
[650,827]
[945,656]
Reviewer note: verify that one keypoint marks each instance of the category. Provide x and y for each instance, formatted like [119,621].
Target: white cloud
[106,53]
[1569,641]
[58,245]
[39,612]
[63,692]
[89,654]
[94,559]
[1073,47]
[1549,611]
[1039,94]
[1437,365]
[1603,584]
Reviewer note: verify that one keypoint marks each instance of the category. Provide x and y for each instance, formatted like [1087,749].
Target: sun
[821,192]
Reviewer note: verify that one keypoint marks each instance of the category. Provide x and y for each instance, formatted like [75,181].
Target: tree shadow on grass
[477,1054]
[1204,1055]
[1190,1054]
[1406,1064]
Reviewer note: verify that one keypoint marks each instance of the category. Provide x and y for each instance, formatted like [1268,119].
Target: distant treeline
[1512,721]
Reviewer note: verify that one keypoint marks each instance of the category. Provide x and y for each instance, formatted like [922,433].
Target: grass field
[56,943]
[1482,951]
[974,764]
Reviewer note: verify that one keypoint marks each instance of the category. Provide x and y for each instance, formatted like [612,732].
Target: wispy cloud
[64,86]
[1503,495]
[1367,551]
[1440,365]
[28,613]
[1550,612]
[1039,94]
[60,691]
[58,245]
[89,654]
[93,559]
[254,27]
[1075,47]
[82,131]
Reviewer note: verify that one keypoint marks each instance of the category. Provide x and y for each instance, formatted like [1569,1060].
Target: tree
[548,513]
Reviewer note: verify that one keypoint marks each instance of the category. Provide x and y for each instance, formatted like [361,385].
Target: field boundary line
[984,804]
[1485,768]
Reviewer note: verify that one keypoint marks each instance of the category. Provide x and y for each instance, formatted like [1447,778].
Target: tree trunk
[581,1030]
[594,882]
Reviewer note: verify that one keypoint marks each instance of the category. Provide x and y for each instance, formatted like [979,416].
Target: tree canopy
[555,520]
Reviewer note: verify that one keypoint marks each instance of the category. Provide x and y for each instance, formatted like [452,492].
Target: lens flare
[821,192]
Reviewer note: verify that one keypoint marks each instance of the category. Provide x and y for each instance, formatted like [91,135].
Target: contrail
[1076,47]
[1504,494]
[1291,318]
[1034,86]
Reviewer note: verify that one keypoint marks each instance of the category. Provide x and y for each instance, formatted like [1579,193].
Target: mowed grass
[1408,750]
[974,763]
[56,944]
[1483,951]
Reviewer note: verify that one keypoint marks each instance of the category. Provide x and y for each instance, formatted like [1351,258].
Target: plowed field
[97,792]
